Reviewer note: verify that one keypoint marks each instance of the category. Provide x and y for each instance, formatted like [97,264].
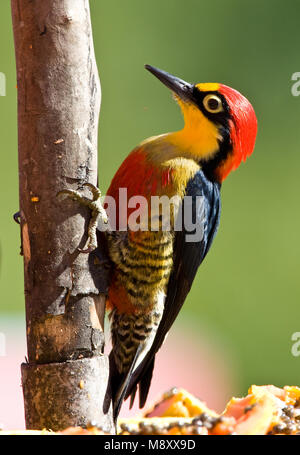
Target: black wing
[188,255]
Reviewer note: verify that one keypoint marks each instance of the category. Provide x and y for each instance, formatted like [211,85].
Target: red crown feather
[243,127]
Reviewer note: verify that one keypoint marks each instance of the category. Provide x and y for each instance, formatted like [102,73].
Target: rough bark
[58,108]
[72,394]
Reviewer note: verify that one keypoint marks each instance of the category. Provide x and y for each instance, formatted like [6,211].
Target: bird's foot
[17,217]
[98,212]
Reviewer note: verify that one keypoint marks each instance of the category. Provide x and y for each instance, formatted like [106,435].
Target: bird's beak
[181,88]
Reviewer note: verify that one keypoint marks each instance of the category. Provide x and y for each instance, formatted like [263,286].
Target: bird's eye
[213,104]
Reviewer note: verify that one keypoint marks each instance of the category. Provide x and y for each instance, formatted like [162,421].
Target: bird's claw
[17,217]
[98,213]
[87,250]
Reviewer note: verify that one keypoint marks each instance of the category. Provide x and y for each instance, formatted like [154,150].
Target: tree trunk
[65,378]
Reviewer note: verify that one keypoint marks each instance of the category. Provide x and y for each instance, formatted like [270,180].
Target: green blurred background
[246,296]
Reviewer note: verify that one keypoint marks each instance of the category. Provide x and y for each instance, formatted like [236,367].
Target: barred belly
[143,263]
[131,332]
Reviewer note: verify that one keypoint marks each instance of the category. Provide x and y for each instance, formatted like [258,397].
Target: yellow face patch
[199,137]
[208,86]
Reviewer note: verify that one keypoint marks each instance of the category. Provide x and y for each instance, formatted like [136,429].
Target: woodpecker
[153,269]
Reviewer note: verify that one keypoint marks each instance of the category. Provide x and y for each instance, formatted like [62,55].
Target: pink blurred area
[187,360]
[13,333]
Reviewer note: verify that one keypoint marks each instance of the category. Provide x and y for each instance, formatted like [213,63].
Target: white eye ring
[213,104]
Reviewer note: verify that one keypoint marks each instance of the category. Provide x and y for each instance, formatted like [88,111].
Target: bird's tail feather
[144,384]
[119,382]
